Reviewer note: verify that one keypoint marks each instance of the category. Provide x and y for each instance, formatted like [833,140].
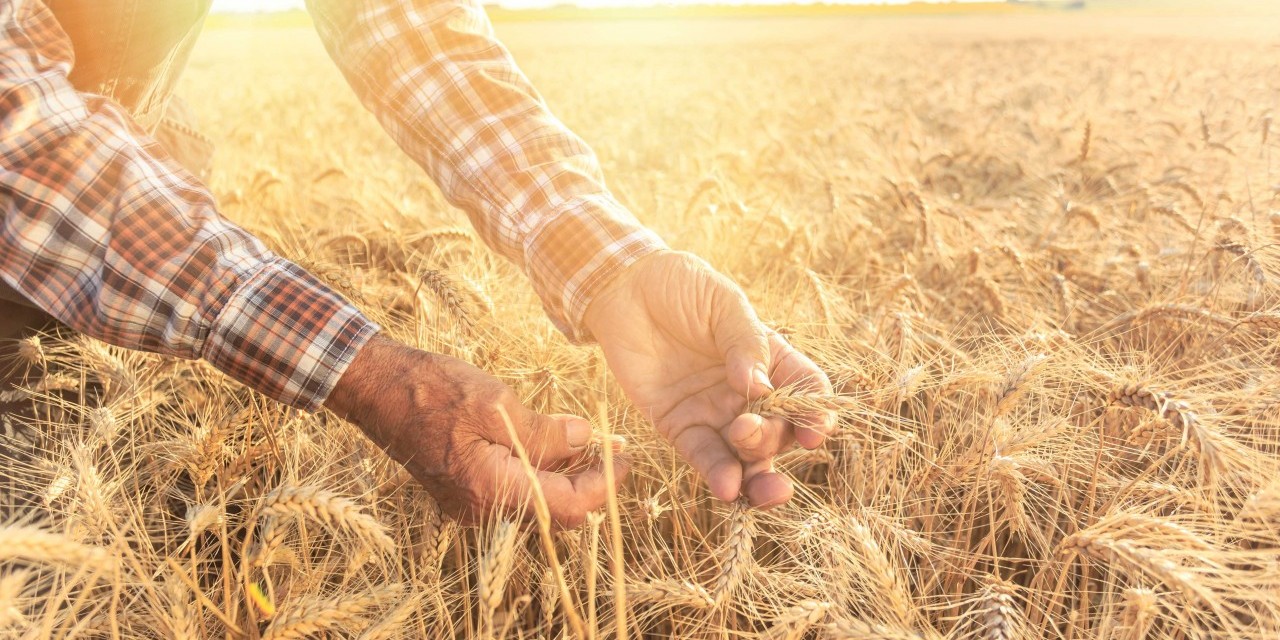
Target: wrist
[614,294]
[349,398]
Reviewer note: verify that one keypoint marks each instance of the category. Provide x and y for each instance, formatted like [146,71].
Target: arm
[452,97]
[682,339]
[101,229]
[105,232]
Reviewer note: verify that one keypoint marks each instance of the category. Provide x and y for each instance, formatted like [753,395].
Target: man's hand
[690,352]
[440,418]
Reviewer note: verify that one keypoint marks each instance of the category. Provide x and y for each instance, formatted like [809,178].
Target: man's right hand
[440,418]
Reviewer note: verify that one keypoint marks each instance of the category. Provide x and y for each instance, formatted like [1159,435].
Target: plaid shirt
[105,231]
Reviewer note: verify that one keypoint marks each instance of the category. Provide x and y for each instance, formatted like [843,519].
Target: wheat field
[1036,255]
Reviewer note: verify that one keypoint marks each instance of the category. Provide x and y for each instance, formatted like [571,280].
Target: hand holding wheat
[445,421]
[688,349]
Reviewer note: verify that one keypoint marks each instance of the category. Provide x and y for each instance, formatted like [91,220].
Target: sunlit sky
[277,5]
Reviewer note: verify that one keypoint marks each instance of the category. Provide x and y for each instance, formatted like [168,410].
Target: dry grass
[1041,274]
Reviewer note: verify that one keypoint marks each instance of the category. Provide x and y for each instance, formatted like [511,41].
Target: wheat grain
[1139,562]
[201,517]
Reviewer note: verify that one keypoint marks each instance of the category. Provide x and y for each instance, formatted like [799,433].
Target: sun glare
[237,6]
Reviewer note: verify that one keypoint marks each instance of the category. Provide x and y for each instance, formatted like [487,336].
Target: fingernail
[761,377]
[578,433]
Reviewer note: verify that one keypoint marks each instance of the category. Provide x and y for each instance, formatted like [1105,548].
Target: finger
[549,440]
[743,341]
[795,369]
[552,439]
[569,497]
[810,438]
[754,437]
[768,489]
[709,455]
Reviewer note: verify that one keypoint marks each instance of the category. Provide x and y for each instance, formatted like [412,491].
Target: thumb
[551,439]
[744,341]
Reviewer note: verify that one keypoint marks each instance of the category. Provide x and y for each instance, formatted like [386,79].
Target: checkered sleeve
[450,94]
[103,230]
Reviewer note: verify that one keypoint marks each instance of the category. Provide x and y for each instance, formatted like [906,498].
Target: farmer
[106,226]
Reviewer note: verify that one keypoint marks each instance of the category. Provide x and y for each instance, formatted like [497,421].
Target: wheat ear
[1014,385]
[995,614]
[329,508]
[883,574]
[495,568]
[796,620]
[12,586]
[37,545]
[309,618]
[670,593]
[846,628]
[1139,614]
[735,554]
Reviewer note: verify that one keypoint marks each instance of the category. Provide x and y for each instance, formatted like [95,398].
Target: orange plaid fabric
[452,97]
[102,229]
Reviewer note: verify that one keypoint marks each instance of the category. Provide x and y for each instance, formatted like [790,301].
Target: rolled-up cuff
[287,335]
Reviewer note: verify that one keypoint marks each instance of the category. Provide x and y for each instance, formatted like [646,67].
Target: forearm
[451,95]
[105,232]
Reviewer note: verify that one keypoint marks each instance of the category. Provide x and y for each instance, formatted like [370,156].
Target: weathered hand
[440,417]
[689,351]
